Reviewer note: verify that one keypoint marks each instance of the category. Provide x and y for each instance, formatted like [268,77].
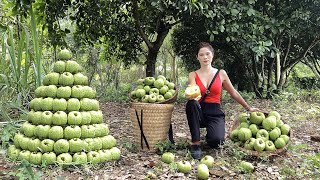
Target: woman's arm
[227,85]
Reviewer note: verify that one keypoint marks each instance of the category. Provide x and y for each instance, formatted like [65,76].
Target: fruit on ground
[115,153]
[202,171]
[108,142]
[246,167]
[184,166]
[285,129]
[28,129]
[93,157]
[75,145]
[96,117]
[254,129]
[42,131]
[259,144]
[55,132]
[35,158]
[285,138]
[207,160]
[24,155]
[64,158]
[257,117]
[34,145]
[262,133]
[61,146]
[13,152]
[274,134]
[280,143]
[80,158]
[234,134]
[49,158]
[270,146]
[167,157]
[47,145]
[244,117]
[249,144]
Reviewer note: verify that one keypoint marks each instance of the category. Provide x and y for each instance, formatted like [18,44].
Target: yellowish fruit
[193,91]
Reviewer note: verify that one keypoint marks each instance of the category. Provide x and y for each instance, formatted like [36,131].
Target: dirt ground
[136,164]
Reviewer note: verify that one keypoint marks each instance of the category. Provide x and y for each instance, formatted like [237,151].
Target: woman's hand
[253,109]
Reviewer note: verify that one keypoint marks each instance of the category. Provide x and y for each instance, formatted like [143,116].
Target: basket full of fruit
[152,103]
[157,90]
[259,133]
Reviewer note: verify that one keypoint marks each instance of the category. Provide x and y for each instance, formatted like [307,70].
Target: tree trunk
[151,62]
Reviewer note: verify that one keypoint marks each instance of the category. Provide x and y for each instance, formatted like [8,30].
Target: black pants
[209,116]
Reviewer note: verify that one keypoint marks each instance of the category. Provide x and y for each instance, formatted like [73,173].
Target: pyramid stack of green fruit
[65,124]
[153,90]
[260,132]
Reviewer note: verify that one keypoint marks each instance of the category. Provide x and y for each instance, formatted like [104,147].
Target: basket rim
[262,153]
[167,101]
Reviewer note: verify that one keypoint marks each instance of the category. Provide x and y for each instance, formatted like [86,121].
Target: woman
[208,113]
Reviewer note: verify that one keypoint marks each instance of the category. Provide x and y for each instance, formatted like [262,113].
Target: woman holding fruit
[204,111]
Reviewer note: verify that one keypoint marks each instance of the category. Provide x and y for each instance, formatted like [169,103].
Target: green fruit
[274,134]
[285,138]
[42,131]
[72,67]
[234,135]
[99,130]
[80,79]
[90,143]
[89,92]
[184,166]
[280,143]
[246,167]
[276,114]
[249,144]
[244,117]
[49,158]
[51,91]
[93,157]
[24,142]
[74,117]
[202,171]
[59,104]
[154,91]
[64,54]
[167,157]
[59,118]
[34,145]
[259,144]
[115,153]
[140,93]
[64,92]
[171,85]
[13,152]
[161,77]
[254,129]
[36,119]
[149,81]
[40,91]
[28,129]
[86,117]
[147,89]
[145,98]
[262,133]
[285,129]
[86,104]
[244,125]
[24,155]
[71,132]
[97,144]
[244,134]
[36,104]
[269,123]
[280,123]
[164,89]
[55,132]
[51,79]
[168,95]
[61,146]
[73,104]
[140,81]
[59,66]
[35,158]
[159,83]
[80,158]
[87,131]
[46,117]
[108,142]
[152,98]
[172,91]
[64,158]
[76,145]
[96,117]
[47,145]
[47,104]
[66,79]
[207,160]
[77,92]
[257,117]
[160,98]
[16,139]
[270,146]
[105,155]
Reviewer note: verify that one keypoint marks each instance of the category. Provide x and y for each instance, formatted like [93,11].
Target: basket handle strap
[143,137]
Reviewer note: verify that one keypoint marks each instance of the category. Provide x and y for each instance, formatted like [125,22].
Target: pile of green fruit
[153,90]
[65,124]
[260,132]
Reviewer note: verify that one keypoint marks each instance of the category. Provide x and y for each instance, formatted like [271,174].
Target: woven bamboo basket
[277,152]
[151,123]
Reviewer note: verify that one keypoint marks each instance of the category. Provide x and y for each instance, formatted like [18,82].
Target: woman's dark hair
[205,45]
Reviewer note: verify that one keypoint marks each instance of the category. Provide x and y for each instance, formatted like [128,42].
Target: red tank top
[215,90]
